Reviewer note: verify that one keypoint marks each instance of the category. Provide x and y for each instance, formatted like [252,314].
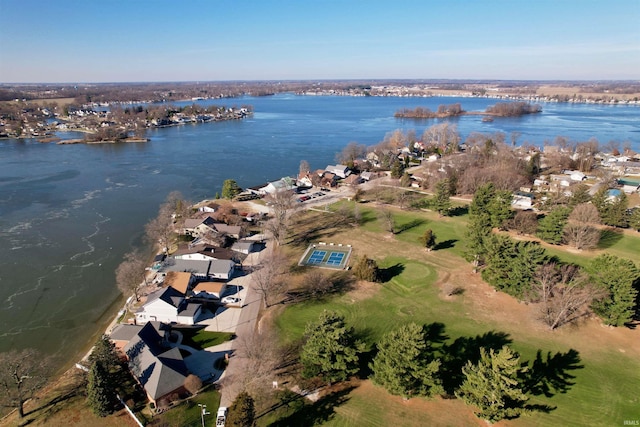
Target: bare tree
[281,203]
[444,136]
[564,293]
[387,219]
[524,222]
[268,278]
[351,153]
[580,230]
[22,373]
[192,383]
[304,167]
[260,357]
[317,284]
[131,273]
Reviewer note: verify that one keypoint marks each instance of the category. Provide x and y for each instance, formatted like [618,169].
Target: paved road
[246,325]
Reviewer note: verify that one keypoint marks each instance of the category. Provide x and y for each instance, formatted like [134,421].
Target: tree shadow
[467,349]
[409,225]
[386,274]
[552,374]
[459,210]
[447,244]
[316,413]
[609,237]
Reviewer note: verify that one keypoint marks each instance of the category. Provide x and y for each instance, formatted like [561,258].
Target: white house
[221,269]
[169,306]
[283,184]
[521,200]
[340,171]
[244,246]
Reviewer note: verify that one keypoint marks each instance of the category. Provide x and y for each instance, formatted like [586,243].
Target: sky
[83,41]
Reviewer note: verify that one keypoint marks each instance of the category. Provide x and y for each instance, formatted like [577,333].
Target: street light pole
[203,412]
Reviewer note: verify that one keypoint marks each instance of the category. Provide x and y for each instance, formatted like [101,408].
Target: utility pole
[203,412]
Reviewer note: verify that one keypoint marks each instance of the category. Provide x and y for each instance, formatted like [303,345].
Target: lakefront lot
[596,369]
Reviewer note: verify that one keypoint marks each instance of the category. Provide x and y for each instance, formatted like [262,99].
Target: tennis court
[317,257]
[326,255]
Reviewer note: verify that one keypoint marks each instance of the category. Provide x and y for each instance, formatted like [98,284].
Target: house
[305,180]
[341,171]
[209,290]
[368,176]
[179,280]
[203,270]
[283,184]
[244,246]
[522,200]
[233,231]
[209,207]
[122,334]
[159,369]
[198,227]
[353,179]
[169,306]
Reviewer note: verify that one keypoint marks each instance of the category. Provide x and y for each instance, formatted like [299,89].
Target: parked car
[230,300]
[221,418]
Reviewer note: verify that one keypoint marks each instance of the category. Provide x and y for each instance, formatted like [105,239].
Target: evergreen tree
[397,168]
[441,201]
[551,227]
[620,278]
[616,212]
[331,350]
[500,208]
[600,201]
[511,265]
[428,239]
[101,396]
[230,189]
[479,225]
[493,385]
[367,269]
[634,219]
[405,364]
[104,352]
[580,195]
[242,412]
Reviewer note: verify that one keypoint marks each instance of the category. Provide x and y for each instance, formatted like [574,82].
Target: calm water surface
[68,213]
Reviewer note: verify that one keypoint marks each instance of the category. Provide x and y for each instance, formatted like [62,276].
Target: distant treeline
[451,110]
[513,109]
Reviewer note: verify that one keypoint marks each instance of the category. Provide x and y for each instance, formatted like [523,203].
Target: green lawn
[604,389]
[188,413]
[201,339]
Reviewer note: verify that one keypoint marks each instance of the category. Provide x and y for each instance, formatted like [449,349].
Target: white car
[230,300]
[221,418]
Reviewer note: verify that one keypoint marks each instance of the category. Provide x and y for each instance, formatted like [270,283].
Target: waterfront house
[283,184]
[159,369]
[170,306]
[341,171]
[179,280]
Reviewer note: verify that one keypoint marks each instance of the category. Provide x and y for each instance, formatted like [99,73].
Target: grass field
[602,392]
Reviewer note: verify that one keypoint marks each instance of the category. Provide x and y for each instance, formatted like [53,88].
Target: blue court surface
[328,256]
[317,257]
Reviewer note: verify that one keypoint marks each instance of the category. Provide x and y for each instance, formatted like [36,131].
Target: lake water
[68,213]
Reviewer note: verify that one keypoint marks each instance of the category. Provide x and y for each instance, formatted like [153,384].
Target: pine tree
[331,350]
[441,202]
[500,208]
[428,239]
[242,412]
[367,269]
[479,225]
[634,219]
[230,189]
[101,395]
[405,364]
[104,352]
[617,215]
[620,278]
[551,227]
[493,385]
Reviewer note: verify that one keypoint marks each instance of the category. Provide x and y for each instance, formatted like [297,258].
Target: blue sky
[145,40]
